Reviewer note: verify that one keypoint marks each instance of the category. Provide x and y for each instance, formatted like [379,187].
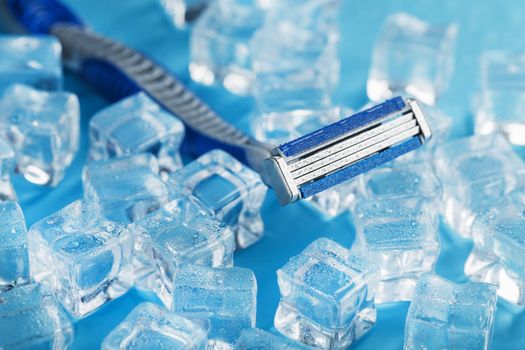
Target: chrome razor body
[345,149]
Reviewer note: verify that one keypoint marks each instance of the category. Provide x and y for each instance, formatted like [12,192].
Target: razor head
[340,151]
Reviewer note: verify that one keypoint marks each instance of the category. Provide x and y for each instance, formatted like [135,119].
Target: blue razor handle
[295,170]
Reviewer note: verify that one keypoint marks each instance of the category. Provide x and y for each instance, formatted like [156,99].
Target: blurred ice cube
[31,60]
[411,56]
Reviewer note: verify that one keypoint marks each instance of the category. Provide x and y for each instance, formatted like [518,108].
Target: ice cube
[499,247]
[336,200]
[254,338]
[31,60]
[219,46]
[475,172]
[14,257]
[500,106]
[125,189]
[7,167]
[184,12]
[134,125]
[403,241]
[320,15]
[411,56]
[82,257]
[444,315]
[295,70]
[229,190]
[224,296]
[43,129]
[409,180]
[327,295]
[31,318]
[179,234]
[150,326]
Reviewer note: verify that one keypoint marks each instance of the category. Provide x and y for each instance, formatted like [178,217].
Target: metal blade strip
[355,148]
[349,142]
[357,156]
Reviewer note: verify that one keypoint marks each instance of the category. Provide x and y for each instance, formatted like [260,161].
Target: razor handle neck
[118,71]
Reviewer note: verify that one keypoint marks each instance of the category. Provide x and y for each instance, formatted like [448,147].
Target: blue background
[488,24]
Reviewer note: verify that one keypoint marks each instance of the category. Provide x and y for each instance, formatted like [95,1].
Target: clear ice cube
[31,318]
[184,12]
[254,338]
[7,167]
[82,257]
[14,256]
[181,233]
[31,60]
[444,315]
[134,125]
[499,248]
[125,189]
[229,190]
[411,56]
[403,241]
[327,296]
[150,326]
[43,129]
[219,46]
[500,106]
[224,296]
[475,172]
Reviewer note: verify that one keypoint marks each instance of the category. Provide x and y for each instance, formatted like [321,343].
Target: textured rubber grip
[118,71]
[39,16]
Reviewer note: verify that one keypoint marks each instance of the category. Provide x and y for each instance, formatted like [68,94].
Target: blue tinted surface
[141,24]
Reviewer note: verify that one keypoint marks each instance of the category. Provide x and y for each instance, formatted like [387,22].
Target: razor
[295,170]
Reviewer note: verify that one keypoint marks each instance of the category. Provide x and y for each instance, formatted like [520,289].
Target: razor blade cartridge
[340,151]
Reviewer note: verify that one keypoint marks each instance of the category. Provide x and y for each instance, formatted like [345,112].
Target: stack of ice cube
[43,129]
[327,295]
[397,216]
[411,56]
[475,173]
[181,233]
[500,105]
[296,67]
[134,125]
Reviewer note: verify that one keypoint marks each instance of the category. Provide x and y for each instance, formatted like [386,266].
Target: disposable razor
[295,170]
